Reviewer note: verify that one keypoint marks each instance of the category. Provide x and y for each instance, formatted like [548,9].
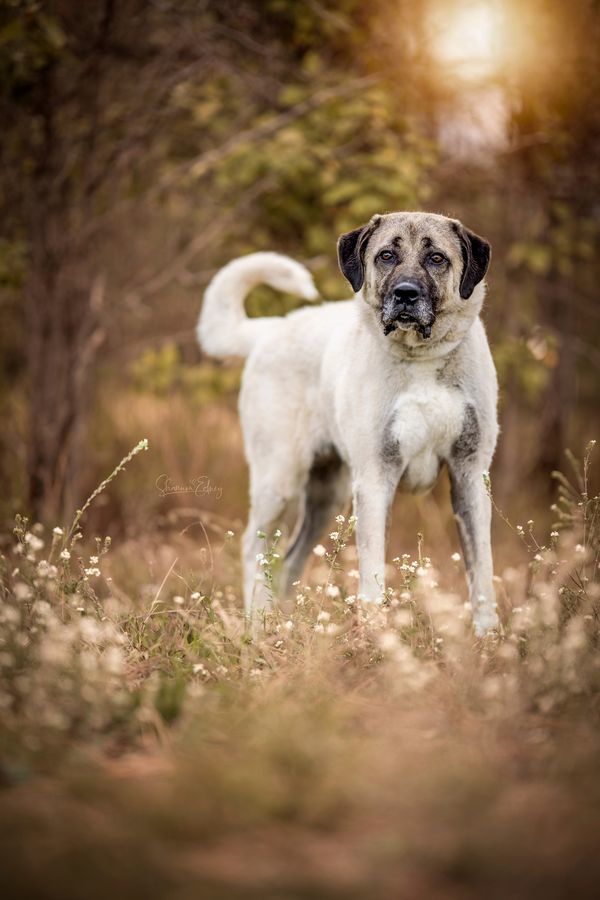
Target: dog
[354,398]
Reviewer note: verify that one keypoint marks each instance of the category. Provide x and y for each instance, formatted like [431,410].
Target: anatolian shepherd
[354,398]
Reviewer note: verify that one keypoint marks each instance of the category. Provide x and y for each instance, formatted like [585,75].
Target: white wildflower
[332,590]
[113,661]
[388,640]
[58,531]
[65,555]
[403,618]
[90,631]
[323,616]
[22,591]
[319,550]
[45,570]
[10,614]
[340,520]
[54,652]
[334,535]
[455,557]
[34,543]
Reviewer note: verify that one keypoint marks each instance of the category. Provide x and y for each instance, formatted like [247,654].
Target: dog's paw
[370,600]
[485,619]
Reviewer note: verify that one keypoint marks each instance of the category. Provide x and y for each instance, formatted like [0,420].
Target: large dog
[359,396]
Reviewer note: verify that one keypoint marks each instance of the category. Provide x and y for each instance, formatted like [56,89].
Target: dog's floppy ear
[476,258]
[351,250]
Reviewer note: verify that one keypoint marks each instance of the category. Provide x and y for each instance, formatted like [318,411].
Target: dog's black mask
[407,302]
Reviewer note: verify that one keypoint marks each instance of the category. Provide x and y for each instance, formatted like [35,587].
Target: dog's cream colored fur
[327,378]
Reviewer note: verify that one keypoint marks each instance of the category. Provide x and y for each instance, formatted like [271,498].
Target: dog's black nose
[407,292]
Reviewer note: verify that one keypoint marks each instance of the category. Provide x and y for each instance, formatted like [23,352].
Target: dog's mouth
[403,321]
[406,321]
[397,315]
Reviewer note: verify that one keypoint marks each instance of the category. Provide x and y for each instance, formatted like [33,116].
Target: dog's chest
[425,420]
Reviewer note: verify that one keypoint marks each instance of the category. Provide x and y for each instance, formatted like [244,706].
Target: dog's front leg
[473,512]
[372,499]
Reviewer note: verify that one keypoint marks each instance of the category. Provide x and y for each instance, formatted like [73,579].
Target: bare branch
[177,266]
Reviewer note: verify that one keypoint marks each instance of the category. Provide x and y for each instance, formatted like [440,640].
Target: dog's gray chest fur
[390,448]
[467,442]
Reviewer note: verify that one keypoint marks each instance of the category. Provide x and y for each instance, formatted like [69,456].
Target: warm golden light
[468,37]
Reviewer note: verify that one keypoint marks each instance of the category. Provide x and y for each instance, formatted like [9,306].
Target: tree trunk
[64,337]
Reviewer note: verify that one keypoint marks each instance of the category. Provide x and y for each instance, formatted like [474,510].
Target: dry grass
[152,748]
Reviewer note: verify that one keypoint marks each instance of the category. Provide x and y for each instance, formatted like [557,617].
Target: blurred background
[145,144]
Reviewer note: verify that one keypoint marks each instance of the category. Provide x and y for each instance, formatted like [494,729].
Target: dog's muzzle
[408,303]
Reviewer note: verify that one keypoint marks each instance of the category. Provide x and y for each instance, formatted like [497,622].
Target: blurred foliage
[148,742]
[161,371]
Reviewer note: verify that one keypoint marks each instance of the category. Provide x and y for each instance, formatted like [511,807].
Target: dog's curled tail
[224,329]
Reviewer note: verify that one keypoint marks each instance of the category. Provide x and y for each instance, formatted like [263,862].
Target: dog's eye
[437,258]
[386,256]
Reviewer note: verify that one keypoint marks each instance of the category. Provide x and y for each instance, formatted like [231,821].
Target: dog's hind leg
[326,494]
[268,510]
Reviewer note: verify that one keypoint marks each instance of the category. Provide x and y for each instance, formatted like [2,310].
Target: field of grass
[152,746]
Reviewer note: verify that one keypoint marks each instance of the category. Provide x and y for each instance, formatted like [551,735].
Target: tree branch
[205,162]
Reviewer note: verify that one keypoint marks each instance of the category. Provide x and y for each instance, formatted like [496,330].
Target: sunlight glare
[468,37]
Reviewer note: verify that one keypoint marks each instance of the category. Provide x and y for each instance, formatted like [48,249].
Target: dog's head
[417,271]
